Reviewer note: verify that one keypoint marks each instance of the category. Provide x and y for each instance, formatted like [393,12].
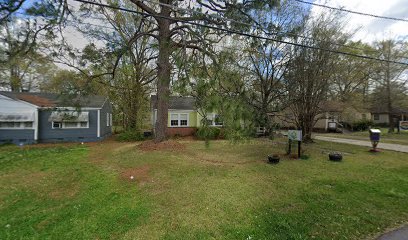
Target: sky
[372,29]
[369,29]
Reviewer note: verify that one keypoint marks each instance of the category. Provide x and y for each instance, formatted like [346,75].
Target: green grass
[57,194]
[225,191]
[396,138]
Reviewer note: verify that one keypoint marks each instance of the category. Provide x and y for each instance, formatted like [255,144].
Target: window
[14,125]
[174,120]
[214,120]
[183,119]
[376,117]
[56,125]
[218,120]
[179,120]
[209,122]
[69,125]
[364,116]
[108,119]
[6,125]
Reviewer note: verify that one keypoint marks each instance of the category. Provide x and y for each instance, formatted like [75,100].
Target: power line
[261,28]
[354,12]
[91,24]
[239,33]
[239,22]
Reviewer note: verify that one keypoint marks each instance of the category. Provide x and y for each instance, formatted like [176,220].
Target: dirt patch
[62,193]
[108,140]
[139,175]
[216,160]
[100,151]
[26,179]
[169,145]
[188,138]
[220,163]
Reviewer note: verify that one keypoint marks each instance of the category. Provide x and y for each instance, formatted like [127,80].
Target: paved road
[387,146]
[398,234]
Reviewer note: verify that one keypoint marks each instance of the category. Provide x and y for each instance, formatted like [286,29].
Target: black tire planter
[336,157]
[273,159]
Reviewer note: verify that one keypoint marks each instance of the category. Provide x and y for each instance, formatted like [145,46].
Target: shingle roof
[176,102]
[57,100]
[383,109]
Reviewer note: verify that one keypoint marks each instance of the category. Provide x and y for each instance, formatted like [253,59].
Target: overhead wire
[231,31]
[353,12]
[261,28]
[240,33]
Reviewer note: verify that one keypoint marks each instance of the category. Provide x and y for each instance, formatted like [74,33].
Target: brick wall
[182,131]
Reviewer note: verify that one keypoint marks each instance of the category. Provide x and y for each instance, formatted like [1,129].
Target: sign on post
[403,125]
[295,135]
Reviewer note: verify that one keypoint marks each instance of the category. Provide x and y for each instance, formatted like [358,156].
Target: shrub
[130,136]
[362,125]
[208,133]
[237,135]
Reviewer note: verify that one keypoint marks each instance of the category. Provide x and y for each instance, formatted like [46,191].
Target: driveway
[387,146]
[398,234]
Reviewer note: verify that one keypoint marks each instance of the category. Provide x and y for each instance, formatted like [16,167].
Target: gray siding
[16,136]
[48,134]
[105,130]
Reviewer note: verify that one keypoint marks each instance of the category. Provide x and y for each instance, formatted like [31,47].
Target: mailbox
[375,135]
[375,138]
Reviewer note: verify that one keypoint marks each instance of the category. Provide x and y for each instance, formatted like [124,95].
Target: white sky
[369,29]
[372,29]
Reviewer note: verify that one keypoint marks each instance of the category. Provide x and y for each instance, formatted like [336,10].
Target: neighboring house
[27,118]
[333,113]
[379,115]
[336,113]
[183,117]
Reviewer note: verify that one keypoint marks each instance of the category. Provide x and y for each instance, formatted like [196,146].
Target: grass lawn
[397,138]
[188,191]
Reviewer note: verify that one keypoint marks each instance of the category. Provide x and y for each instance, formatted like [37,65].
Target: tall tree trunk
[307,128]
[15,82]
[163,76]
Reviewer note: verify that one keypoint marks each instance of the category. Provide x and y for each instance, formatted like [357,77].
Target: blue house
[27,118]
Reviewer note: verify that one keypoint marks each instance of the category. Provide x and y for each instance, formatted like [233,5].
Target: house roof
[56,100]
[332,106]
[383,109]
[176,102]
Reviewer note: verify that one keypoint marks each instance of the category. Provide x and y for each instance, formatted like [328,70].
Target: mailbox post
[375,138]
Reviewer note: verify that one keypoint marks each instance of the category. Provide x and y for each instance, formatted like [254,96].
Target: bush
[130,136]
[237,135]
[362,125]
[208,133]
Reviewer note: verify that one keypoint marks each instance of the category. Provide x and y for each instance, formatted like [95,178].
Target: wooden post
[299,146]
[290,147]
